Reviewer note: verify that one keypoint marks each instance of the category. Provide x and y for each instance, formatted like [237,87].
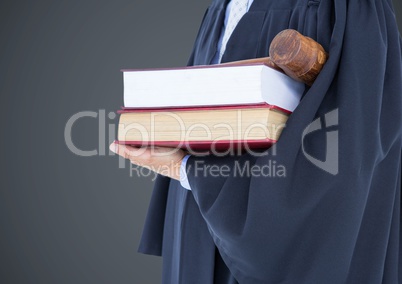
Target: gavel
[294,54]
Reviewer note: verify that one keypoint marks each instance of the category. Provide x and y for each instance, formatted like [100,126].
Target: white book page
[190,87]
[280,90]
[210,86]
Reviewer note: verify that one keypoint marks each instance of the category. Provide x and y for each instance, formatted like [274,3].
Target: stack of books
[215,107]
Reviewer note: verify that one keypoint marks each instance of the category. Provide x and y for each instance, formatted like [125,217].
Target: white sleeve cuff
[183,174]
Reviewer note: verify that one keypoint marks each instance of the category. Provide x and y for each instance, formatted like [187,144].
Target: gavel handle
[264,60]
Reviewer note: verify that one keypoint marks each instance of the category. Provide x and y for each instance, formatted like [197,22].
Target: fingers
[163,160]
[134,154]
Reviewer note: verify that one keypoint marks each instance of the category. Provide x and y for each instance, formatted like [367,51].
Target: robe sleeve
[319,204]
[152,237]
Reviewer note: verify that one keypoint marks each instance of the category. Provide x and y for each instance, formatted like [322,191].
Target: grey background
[66,218]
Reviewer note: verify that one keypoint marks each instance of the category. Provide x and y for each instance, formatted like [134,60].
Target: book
[203,128]
[210,85]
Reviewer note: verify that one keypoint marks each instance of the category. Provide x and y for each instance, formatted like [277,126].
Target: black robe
[335,215]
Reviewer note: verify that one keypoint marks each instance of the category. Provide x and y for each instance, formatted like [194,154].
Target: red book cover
[210,146]
[259,105]
[214,146]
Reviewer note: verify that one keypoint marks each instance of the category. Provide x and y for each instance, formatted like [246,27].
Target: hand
[162,160]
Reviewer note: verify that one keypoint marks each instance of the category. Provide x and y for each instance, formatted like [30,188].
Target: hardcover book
[210,85]
[207,107]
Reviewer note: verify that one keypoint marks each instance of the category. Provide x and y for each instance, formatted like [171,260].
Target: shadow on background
[66,218]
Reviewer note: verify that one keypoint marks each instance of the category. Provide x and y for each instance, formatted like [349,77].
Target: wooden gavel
[298,56]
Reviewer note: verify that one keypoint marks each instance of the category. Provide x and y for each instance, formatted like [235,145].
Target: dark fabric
[315,224]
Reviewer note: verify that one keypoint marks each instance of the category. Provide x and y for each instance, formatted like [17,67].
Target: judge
[335,216]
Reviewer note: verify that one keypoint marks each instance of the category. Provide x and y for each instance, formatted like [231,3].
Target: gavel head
[300,57]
